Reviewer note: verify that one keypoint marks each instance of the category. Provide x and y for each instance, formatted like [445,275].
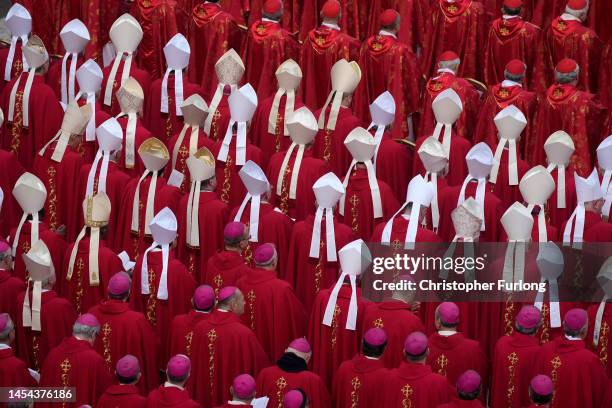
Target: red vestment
[122,395]
[331,345]
[581,379]
[596,229]
[10,171]
[140,75]
[605,75]
[13,371]
[601,350]
[502,189]
[274,382]
[124,331]
[388,64]
[44,118]
[458,27]
[88,149]
[17,66]
[141,134]
[358,207]
[224,269]
[56,319]
[164,397]
[457,166]
[412,14]
[183,154]
[322,47]
[555,215]
[48,18]
[392,162]
[291,13]
[359,380]
[223,347]
[10,287]
[74,363]
[54,76]
[267,46]
[237,8]
[181,332]
[460,403]
[598,9]
[415,385]
[353,17]
[545,11]
[513,368]
[220,118]
[272,310]
[398,233]
[98,16]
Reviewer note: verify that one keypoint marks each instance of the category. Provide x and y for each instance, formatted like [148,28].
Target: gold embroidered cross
[378,323]
[355,383]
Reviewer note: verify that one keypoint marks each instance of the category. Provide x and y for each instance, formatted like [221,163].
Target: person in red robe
[580,378]
[162,286]
[125,393]
[183,325]
[291,371]
[125,331]
[536,187]
[267,46]
[226,266]
[98,17]
[10,171]
[217,341]
[352,17]
[412,13]
[541,391]
[294,171]
[559,148]
[164,108]
[48,18]
[567,108]
[457,26]
[211,33]
[272,310]
[10,286]
[13,371]
[202,216]
[322,47]
[469,389]
[414,383]
[242,392]
[389,65]
[173,393]
[605,94]
[511,37]
[567,37]
[600,321]
[18,20]
[32,110]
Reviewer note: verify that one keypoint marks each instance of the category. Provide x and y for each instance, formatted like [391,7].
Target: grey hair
[276,16]
[7,330]
[581,14]
[511,77]
[454,64]
[85,331]
[563,78]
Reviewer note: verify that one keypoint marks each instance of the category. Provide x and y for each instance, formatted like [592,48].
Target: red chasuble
[74,363]
[457,166]
[508,39]
[13,371]
[412,14]
[17,67]
[183,155]
[579,114]
[48,18]
[398,321]
[223,348]
[142,134]
[605,75]
[124,331]
[557,215]
[311,169]
[224,269]
[601,350]
[56,318]
[308,275]
[388,64]
[98,16]
[321,49]
[513,368]
[598,9]
[166,125]
[272,310]
[10,287]
[122,396]
[140,75]
[331,345]
[469,97]
[10,171]
[78,290]
[274,382]
[44,115]
[581,379]
[211,33]
[544,12]
[502,189]
[158,312]
[358,382]
[358,207]
[221,118]
[329,144]
[353,17]
[267,46]
[415,385]
[393,165]
[181,332]
[158,21]
[163,397]
[212,218]
[460,27]
[54,76]
[398,234]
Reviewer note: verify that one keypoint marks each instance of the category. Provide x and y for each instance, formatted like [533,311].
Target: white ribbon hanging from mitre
[131,100]
[587,189]
[30,193]
[303,128]
[354,259]
[229,70]
[447,108]
[510,123]
[19,22]
[362,145]
[126,34]
[345,77]
[201,167]
[327,189]
[434,159]
[177,52]
[289,76]
[242,105]
[74,122]
[163,228]
[382,111]
[194,110]
[256,184]
[536,186]
[517,222]
[479,161]
[89,76]
[419,194]
[559,149]
[75,38]
[40,269]
[110,136]
[604,278]
[550,264]
[604,159]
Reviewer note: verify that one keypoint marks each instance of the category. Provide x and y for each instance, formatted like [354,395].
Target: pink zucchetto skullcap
[528,317]
[178,366]
[127,366]
[234,230]
[575,319]
[119,284]
[293,399]
[468,382]
[264,254]
[244,386]
[226,293]
[4,319]
[4,246]
[301,345]
[448,312]
[375,337]
[88,320]
[227,89]
[415,344]
[204,297]
[542,385]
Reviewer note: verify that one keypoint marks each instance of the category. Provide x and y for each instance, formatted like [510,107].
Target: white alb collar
[387,33]
[506,83]
[169,385]
[569,17]
[331,25]
[267,20]
[446,333]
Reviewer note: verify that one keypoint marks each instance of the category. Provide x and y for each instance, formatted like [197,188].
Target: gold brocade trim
[284,197]
[218,282]
[354,201]
[407,392]
[214,126]
[227,180]
[252,298]
[17,67]
[188,339]
[35,351]
[319,268]
[378,323]
[152,299]
[168,122]
[578,274]
[52,198]
[181,165]
[513,360]
[65,366]
[603,343]
[278,131]
[356,384]
[327,145]
[17,125]
[509,316]
[191,263]
[545,335]
[281,384]
[78,294]
[212,337]
[442,363]
[106,332]
[319,40]
[248,253]
[334,326]
[556,363]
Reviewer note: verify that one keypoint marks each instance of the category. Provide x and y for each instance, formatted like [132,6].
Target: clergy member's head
[243,389]
[203,299]
[578,9]
[178,369]
[512,7]
[300,348]
[468,385]
[449,60]
[589,193]
[528,320]
[127,370]
[7,329]
[272,10]
[265,257]
[415,348]
[541,390]
[447,316]
[231,299]
[6,258]
[331,12]
[86,328]
[390,21]
[374,343]
[235,236]
[406,296]
[515,71]
[119,286]
[575,323]
[567,72]
[296,398]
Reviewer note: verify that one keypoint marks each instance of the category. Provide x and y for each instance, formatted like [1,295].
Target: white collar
[4,346]
[236,403]
[387,33]
[569,17]
[507,17]
[446,333]
[448,71]
[572,338]
[331,25]
[267,20]
[170,385]
[506,83]
[224,311]
[372,358]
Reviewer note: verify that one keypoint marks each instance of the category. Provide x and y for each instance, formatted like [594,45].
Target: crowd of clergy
[188,188]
